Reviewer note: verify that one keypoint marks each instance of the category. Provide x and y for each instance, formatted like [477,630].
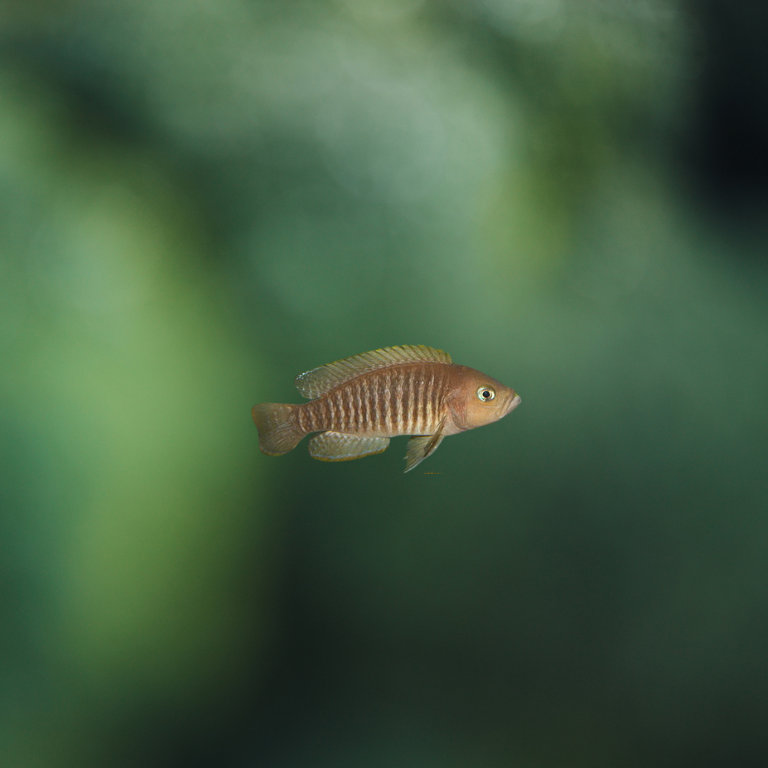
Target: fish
[359,403]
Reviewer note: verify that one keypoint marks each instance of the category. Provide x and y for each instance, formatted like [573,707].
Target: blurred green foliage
[199,200]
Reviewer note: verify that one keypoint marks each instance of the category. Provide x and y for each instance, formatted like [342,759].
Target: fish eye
[486,394]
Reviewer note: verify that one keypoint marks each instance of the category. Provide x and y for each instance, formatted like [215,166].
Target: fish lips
[512,404]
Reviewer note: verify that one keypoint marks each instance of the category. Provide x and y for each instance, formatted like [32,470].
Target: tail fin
[278,431]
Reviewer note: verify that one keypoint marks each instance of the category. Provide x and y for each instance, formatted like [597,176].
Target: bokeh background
[200,199]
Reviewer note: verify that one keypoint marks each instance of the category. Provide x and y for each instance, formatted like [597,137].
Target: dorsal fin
[318,381]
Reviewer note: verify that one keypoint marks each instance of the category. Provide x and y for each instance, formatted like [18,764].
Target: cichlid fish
[359,403]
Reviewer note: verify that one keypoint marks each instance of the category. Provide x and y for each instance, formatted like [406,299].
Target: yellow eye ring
[485,394]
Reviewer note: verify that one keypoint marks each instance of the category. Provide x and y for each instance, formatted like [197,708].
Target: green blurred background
[200,199]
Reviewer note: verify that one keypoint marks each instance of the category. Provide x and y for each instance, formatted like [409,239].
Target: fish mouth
[513,403]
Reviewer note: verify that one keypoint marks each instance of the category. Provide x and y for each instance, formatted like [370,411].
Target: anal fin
[336,446]
[422,446]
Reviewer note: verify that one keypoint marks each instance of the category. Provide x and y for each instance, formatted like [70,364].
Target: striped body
[406,399]
[357,404]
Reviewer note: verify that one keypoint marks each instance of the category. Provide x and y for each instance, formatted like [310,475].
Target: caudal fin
[278,431]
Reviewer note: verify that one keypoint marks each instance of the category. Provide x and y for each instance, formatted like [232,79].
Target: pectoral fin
[421,447]
[336,446]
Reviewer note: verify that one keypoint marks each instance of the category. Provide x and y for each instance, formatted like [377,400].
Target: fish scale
[341,411]
[407,385]
[350,409]
[391,402]
[416,393]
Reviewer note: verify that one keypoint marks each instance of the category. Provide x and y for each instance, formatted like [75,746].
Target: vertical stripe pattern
[399,400]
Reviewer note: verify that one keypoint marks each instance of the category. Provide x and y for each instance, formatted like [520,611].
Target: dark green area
[199,200]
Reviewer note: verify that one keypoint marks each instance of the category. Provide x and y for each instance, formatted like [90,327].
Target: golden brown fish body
[361,402]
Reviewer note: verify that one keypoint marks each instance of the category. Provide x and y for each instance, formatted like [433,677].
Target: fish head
[478,399]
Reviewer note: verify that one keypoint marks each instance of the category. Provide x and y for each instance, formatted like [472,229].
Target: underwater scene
[532,232]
